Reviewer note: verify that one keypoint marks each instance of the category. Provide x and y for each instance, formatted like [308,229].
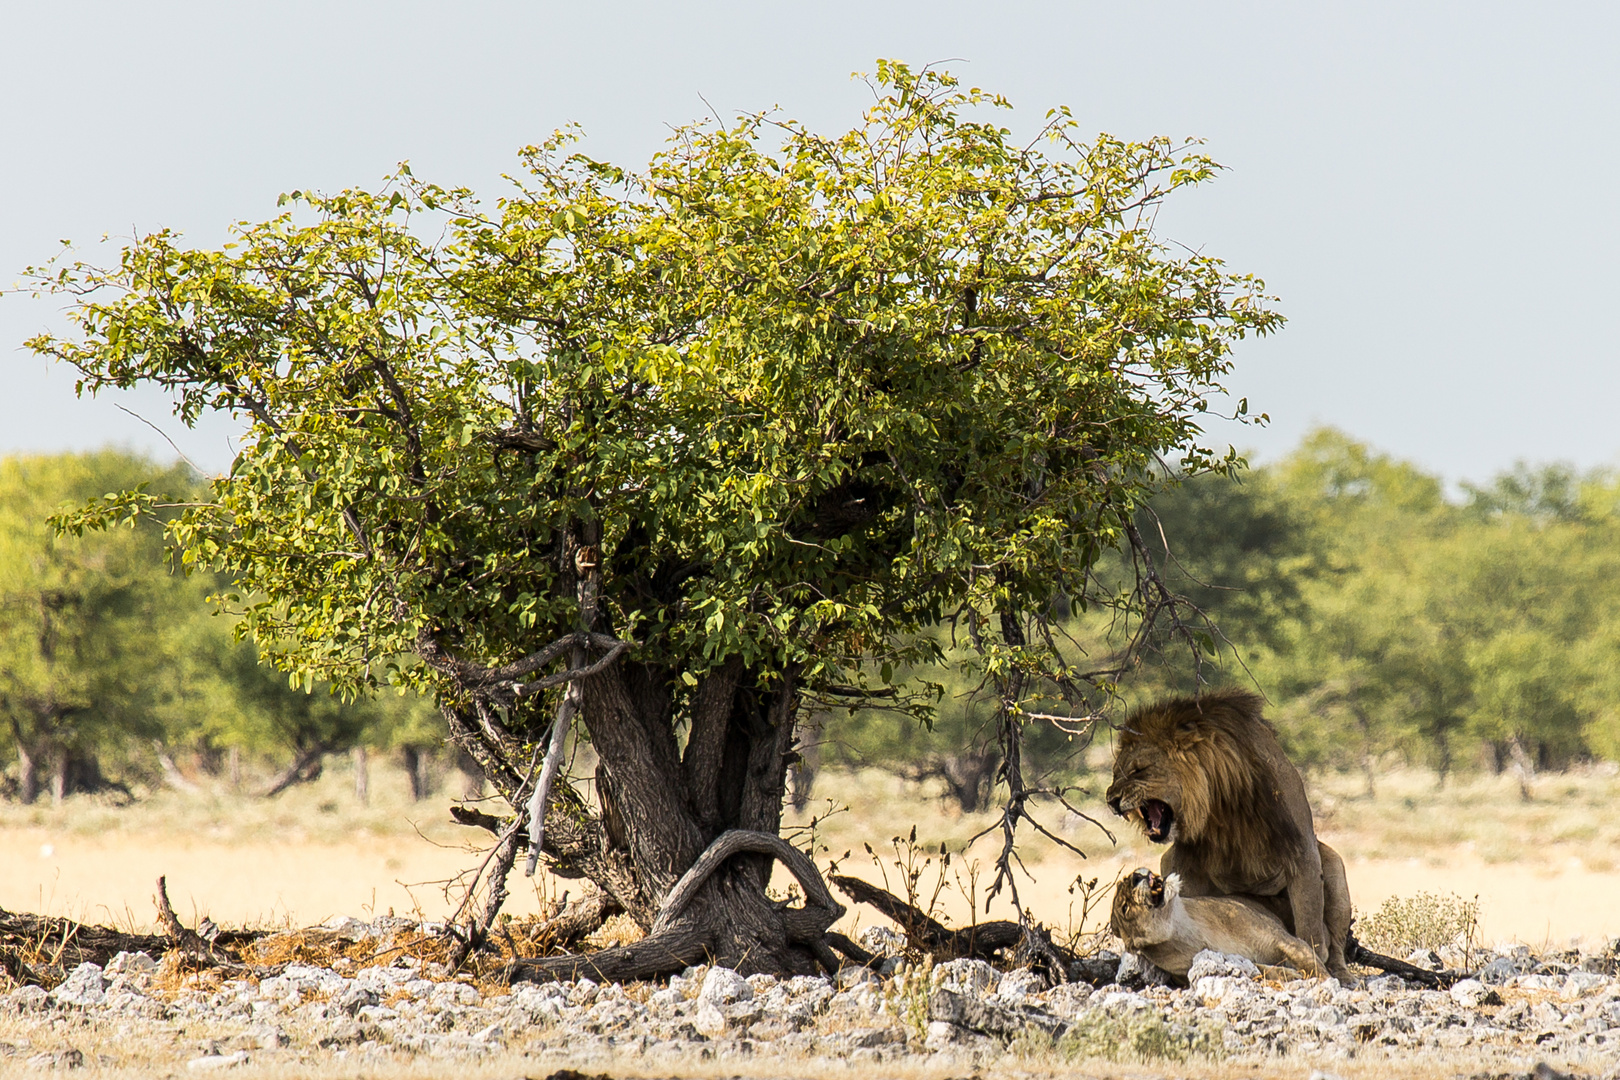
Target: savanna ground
[1544,870]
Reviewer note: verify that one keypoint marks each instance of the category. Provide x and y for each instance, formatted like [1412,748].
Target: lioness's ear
[1172,887]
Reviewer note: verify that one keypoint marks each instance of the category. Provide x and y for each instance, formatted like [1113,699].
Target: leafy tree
[73,690]
[959,745]
[686,452]
[217,694]
[1549,493]
[1361,663]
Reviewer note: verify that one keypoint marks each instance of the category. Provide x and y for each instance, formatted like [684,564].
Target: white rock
[967,977]
[1068,999]
[456,993]
[1579,983]
[130,963]
[709,1020]
[1209,962]
[85,987]
[494,1033]
[1469,993]
[28,998]
[667,998]
[1121,1001]
[883,940]
[306,977]
[211,1062]
[722,986]
[1326,1017]
[1214,990]
[1015,986]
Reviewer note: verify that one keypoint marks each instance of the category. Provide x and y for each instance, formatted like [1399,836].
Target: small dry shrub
[1142,1036]
[1425,921]
[618,930]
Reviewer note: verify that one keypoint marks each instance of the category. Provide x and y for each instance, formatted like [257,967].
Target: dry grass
[1569,817]
[322,812]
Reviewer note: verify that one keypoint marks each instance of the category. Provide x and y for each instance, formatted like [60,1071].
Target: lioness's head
[1177,759]
[1141,906]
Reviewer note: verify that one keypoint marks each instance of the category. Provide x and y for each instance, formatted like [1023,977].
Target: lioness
[1152,918]
[1208,776]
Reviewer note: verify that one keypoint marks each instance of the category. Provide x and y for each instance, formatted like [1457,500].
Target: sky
[1427,187]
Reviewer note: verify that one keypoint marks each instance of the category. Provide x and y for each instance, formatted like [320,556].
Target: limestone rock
[722,986]
[1209,962]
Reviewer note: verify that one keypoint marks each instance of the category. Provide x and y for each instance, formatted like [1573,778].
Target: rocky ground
[136,1013]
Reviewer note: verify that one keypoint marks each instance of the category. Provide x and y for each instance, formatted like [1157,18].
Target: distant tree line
[117,671]
[1383,620]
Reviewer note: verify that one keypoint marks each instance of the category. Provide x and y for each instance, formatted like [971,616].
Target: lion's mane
[1217,763]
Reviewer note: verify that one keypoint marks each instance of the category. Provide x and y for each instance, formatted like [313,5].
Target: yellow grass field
[1544,871]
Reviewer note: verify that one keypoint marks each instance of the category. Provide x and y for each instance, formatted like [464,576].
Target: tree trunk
[171,772]
[305,767]
[362,776]
[802,778]
[27,772]
[416,772]
[1365,724]
[236,768]
[1524,769]
[58,757]
[968,776]
[686,838]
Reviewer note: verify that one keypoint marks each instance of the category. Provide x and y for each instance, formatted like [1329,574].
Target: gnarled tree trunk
[662,807]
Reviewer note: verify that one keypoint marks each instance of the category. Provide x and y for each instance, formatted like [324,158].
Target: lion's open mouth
[1159,818]
[1156,892]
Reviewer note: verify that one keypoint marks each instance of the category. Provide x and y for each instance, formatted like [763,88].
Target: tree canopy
[687,450]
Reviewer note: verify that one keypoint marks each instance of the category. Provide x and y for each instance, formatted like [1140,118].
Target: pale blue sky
[1427,186]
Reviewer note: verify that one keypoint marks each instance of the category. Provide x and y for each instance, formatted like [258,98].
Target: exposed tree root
[980,942]
[724,917]
[577,919]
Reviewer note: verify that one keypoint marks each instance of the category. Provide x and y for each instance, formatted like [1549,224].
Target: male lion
[1208,777]
[1153,919]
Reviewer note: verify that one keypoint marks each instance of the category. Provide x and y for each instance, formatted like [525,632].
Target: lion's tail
[1357,953]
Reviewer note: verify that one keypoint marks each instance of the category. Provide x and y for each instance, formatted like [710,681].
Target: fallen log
[38,949]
